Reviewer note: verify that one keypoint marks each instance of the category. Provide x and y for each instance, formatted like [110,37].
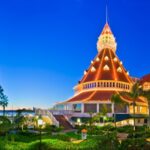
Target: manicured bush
[126,129]
[135,144]
[108,141]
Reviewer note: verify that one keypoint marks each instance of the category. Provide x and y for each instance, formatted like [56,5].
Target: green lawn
[104,138]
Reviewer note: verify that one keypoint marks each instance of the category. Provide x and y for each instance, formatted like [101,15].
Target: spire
[106,14]
[106,39]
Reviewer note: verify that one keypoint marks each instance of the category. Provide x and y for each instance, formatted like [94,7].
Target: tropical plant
[104,112]
[134,95]
[20,121]
[116,99]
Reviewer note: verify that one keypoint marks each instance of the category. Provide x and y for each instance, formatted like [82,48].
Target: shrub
[135,144]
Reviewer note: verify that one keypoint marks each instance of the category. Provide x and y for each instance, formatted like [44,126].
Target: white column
[82,108]
[113,107]
[97,108]
[127,109]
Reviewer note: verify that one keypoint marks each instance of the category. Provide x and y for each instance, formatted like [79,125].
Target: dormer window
[93,69]
[97,59]
[119,69]
[85,72]
[106,68]
[115,59]
[106,58]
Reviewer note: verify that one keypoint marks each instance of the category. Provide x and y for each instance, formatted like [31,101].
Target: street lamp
[78,122]
[40,123]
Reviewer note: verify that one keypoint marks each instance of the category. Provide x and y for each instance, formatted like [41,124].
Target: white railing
[61,112]
[50,115]
[47,113]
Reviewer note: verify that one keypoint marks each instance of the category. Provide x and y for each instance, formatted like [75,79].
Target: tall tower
[104,77]
[106,72]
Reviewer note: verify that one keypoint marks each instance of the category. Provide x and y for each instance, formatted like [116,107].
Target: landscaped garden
[53,138]
[24,132]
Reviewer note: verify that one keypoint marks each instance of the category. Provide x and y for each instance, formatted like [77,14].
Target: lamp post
[40,123]
[78,122]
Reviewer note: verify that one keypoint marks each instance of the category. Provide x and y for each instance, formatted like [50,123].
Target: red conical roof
[107,66]
[106,74]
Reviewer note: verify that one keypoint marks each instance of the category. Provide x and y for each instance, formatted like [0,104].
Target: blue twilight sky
[45,45]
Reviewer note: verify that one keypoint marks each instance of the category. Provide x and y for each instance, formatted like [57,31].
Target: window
[90,108]
[119,108]
[105,108]
[76,107]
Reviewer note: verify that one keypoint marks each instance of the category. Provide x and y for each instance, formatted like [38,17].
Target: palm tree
[116,99]
[146,94]
[134,95]
[104,112]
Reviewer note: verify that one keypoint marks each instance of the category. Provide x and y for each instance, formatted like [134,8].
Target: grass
[103,141]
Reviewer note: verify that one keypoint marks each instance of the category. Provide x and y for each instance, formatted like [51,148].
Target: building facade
[105,76]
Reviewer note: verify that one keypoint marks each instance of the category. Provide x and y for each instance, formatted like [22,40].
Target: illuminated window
[93,69]
[97,59]
[85,72]
[119,69]
[106,58]
[115,59]
[106,68]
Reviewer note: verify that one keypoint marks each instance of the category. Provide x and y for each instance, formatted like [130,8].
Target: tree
[20,121]
[104,112]
[3,100]
[116,99]
[134,95]
[146,94]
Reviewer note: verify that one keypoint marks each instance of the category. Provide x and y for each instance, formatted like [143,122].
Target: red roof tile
[90,96]
[111,74]
[145,78]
